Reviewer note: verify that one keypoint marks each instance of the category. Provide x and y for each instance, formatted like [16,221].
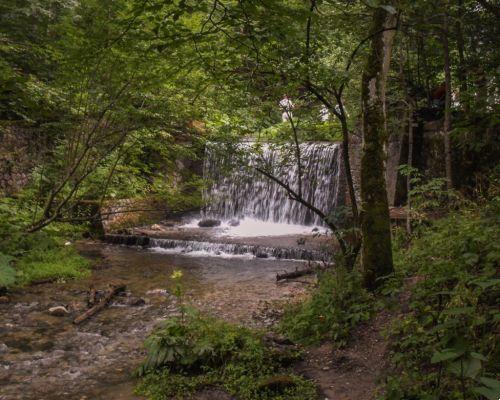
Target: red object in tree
[439,93]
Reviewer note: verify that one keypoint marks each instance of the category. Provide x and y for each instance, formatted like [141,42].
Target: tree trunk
[375,222]
[462,70]
[410,164]
[447,103]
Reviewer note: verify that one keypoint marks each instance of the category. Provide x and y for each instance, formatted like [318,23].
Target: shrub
[335,307]
[184,357]
[446,346]
[35,256]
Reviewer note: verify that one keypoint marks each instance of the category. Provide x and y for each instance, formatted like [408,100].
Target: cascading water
[197,248]
[237,192]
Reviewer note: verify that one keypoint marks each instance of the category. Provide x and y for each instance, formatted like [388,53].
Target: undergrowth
[446,345]
[335,307]
[56,262]
[188,354]
[26,258]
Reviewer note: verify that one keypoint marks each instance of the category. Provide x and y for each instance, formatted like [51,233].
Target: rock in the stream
[3,348]
[135,301]
[156,227]
[261,254]
[301,241]
[161,292]
[233,222]
[58,311]
[76,306]
[4,299]
[208,223]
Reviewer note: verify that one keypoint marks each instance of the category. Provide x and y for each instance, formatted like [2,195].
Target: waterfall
[236,189]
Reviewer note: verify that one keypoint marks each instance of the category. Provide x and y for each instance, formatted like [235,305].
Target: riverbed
[47,357]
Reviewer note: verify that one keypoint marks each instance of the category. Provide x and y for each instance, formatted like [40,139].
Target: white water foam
[251,227]
[204,253]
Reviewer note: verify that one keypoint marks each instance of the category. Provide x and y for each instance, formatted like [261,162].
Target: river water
[45,357]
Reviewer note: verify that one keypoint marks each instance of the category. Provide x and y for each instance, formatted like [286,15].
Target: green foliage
[336,306]
[429,194]
[446,346]
[7,273]
[309,131]
[55,261]
[26,258]
[187,356]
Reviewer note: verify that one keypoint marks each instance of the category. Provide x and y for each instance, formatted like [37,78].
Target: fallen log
[311,269]
[113,290]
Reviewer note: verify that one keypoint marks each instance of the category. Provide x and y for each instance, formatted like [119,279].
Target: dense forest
[371,124]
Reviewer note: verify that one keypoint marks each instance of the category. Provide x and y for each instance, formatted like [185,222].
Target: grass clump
[337,305]
[7,272]
[30,257]
[57,262]
[188,354]
[446,346]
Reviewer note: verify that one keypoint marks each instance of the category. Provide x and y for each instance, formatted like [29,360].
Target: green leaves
[468,367]
[490,390]
[445,355]
[7,272]
[486,283]
[186,355]
[450,331]
[339,304]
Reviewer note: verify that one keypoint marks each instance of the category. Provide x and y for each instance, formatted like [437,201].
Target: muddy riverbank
[45,357]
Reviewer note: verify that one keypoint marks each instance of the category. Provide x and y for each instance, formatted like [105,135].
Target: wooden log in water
[113,290]
[312,269]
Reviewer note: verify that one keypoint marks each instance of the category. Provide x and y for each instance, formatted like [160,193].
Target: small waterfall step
[215,248]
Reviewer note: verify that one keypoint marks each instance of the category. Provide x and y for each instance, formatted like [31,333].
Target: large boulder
[208,223]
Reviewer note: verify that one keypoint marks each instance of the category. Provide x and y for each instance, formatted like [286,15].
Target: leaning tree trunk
[375,222]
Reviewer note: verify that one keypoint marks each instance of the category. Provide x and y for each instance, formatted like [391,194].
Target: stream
[47,357]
